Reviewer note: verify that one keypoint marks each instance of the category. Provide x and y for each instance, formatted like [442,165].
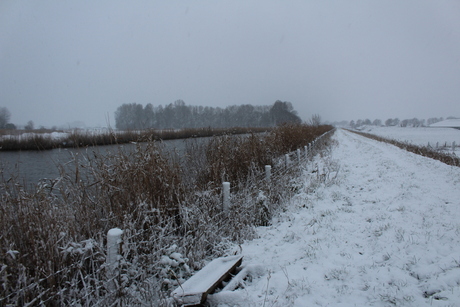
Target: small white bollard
[226,195]
[113,247]
[298,156]
[268,172]
[286,156]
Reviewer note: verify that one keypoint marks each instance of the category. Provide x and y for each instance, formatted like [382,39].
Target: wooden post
[286,156]
[268,172]
[306,151]
[226,195]
[453,146]
[113,248]
[437,145]
[298,156]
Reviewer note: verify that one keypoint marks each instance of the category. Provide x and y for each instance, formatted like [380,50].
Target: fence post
[113,246]
[453,146]
[306,151]
[437,145]
[298,156]
[226,195]
[286,156]
[268,172]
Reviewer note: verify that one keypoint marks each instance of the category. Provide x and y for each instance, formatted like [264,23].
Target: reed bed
[42,140]
[53,237]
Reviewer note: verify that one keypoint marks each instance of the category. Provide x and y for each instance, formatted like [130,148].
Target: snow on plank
[195,290]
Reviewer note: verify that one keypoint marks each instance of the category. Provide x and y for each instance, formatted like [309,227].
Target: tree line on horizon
[178,115]
[391,122]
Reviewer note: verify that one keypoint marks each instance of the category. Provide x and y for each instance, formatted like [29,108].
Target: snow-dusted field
[420,135]
[375,226]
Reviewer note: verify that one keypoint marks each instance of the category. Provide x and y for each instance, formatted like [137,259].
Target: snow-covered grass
[421,136]
[371,225]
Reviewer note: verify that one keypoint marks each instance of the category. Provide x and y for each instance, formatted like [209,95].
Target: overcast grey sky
[64,61]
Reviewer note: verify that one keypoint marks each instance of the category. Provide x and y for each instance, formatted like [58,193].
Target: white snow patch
[417,135]
[383,231]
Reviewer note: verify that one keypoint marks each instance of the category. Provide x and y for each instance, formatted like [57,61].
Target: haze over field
[62,62]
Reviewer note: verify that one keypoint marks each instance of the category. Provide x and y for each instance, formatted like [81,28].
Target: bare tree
[315,120]
[5,116]
[30,125]
[377,122]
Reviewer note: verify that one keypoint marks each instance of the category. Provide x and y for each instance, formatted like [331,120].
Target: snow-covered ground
[419,135]
[371,225]
[452,122]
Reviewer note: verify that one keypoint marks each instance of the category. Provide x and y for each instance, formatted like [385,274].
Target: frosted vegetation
[53,238]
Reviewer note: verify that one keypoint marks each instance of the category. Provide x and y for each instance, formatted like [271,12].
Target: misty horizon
[67,62]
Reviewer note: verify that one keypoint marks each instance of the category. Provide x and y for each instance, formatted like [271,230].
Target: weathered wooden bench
[195,290]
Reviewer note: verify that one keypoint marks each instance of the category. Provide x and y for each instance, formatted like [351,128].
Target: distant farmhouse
[448,123]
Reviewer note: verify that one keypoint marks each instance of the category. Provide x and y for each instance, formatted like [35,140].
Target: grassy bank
[42,139]
[53,238]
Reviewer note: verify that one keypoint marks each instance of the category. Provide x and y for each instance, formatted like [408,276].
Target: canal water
[29,167]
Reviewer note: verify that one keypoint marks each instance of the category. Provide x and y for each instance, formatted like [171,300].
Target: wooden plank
[196,289]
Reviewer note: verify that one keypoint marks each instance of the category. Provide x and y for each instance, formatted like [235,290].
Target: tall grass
[53,238]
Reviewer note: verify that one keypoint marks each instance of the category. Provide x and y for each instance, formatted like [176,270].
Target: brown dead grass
[53,238]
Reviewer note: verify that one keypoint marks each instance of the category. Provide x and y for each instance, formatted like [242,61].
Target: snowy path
[384,232]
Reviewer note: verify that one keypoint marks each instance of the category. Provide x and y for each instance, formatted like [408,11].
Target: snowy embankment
[372,225]
[421,136]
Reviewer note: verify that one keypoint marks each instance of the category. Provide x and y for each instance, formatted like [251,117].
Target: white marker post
[268,172]
[298,156]
[226,195]
[113,246]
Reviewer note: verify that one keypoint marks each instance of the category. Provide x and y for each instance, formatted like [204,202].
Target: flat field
[419,136]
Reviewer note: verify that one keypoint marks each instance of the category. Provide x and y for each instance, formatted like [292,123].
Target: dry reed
[52,242]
